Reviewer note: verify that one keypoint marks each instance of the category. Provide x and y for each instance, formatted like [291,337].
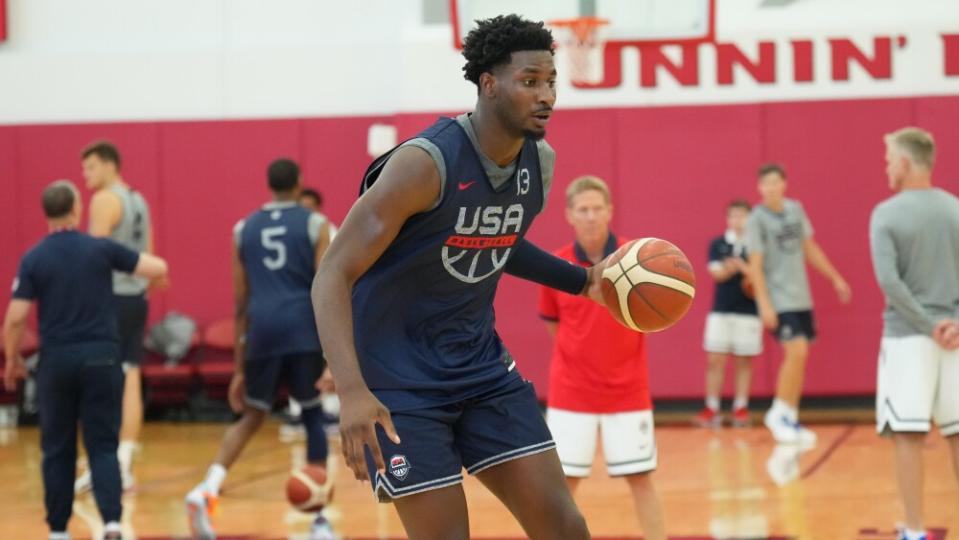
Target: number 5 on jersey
[270,238]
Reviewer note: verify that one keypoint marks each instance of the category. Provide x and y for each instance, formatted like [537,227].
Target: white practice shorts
[629,441]
[733,333]
[917,383]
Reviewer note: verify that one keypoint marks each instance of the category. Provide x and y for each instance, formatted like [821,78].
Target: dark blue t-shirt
[279,257]
[729,296]
[70,275]
[423,313]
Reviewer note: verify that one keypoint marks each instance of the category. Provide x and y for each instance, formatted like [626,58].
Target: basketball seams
[648,276]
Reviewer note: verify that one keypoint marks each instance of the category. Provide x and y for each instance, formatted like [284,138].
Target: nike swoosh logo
[465,185]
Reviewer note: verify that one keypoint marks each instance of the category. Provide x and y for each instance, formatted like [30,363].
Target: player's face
[772,187]
[590,214]
[895,168]
[97,171]
[525,92]
[736,219]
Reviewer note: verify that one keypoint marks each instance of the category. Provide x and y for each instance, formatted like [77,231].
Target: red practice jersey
[598,365]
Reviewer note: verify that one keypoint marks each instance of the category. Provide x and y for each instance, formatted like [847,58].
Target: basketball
[648,284]
[747,286]
[307,489]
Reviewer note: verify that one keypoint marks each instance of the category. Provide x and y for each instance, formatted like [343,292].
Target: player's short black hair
[739,203]
[772,167]
[105,150]
[494,40]
[283,175]
[58,199]
[311,193]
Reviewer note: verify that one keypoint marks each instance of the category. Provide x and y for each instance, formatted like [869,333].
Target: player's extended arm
[817,258]
[13,325]
[240,301]
[150,267]
[105,212]
[766,310]
[409,184]
[531,263]
[884,263]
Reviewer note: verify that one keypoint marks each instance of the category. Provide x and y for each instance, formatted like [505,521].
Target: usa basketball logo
[483,239]
[399,467]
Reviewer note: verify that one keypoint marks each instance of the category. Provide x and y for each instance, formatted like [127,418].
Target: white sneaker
[127,479]
[783,464]
[322,529]
[199,506]
[785,430]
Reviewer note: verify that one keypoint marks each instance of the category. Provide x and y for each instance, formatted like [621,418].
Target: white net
[582,45]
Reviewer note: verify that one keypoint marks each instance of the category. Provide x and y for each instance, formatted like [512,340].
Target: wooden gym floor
[714,484]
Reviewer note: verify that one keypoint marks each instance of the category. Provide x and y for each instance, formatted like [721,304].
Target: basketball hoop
[584,42]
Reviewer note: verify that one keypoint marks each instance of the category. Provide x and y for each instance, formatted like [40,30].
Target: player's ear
[487,84]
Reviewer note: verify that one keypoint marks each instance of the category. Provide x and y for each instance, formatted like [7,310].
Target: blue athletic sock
[316,445]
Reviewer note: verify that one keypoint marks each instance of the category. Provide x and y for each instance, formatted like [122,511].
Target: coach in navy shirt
[69,275]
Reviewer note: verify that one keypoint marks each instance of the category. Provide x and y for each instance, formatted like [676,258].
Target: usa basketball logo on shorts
[399,467]
[482,243]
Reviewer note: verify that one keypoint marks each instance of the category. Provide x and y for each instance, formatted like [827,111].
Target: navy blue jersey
[279,257]
[70,275]
[423,313]
[729,296]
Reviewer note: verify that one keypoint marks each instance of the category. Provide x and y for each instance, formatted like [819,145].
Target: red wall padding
[672,169]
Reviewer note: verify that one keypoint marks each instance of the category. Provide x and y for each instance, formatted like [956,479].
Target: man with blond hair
[599,379]
[914,239]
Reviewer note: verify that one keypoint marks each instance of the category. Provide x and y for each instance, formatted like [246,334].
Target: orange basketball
[307,488]
[648,284]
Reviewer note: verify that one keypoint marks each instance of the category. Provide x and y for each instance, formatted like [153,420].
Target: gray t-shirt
[133,231]
[497,175]
[914,239]
[779,237]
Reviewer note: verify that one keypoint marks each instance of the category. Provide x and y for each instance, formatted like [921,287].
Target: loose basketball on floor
[648,284]
[308,489]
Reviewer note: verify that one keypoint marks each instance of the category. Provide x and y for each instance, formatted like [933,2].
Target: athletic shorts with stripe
[298,371]
[916,385]
[629,441]
[475,434]
[733,333]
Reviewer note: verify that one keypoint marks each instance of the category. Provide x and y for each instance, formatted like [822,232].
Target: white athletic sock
[60,535]
[214,478]
[712,403]
[914,535]
[740,402]
[125,455]
[783,408]
[112,526]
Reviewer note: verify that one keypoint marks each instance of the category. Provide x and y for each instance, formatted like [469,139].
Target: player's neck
[115,181]
[494,139]
[284,197]
[68,223]
[918,181]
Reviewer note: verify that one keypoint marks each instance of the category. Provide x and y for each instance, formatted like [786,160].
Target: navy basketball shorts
[131,323]
[298,371]
[475,434]
[796,324]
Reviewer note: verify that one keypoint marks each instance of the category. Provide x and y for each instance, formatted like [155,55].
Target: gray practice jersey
[133,231]
[497,175]
[914,238]
[779,237]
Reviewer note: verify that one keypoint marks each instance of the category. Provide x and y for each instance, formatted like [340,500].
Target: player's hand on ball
[235,394]
[15,370]
[360,411]
[594,282]
[842,290]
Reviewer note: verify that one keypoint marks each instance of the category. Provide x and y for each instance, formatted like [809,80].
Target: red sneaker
[708,418]
[741,417]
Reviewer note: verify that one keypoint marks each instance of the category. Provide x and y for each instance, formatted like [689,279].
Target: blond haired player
[599,379]
[779,239]
[914,238]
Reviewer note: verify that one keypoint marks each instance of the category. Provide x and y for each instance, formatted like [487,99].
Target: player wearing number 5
[275,253]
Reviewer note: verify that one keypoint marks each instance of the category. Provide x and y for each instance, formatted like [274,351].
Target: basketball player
[732,327]
[914,237]
[779,241]
[70,276]
[313,199]
[120,213]
[598,379]
[275,253]
[407,290]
